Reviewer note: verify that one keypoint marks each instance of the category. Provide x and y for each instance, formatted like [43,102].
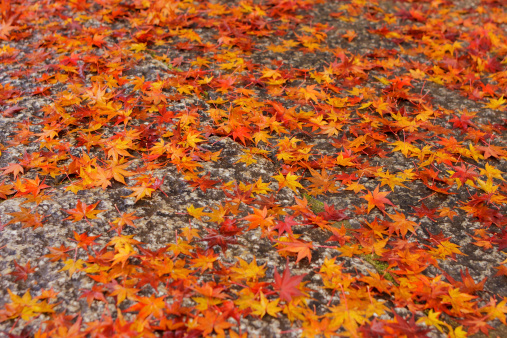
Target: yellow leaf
[72,266]
[195,212]
[265,306]
[289,181]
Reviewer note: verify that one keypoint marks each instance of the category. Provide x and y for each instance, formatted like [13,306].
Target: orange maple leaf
[140,191]
[401,225]
[377,199]
[26,218]
[303,249]
[125,219]
[213,321]
[259,218]
[309,93]
[83,211]
[13,168]
[6,28]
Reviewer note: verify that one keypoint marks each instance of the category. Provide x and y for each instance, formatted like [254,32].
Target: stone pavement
[164,161]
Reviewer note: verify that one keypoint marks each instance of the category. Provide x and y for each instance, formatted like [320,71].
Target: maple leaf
[289,181]
[181,246]
[101,178]
[350,35]
[11,110]
[21,272]
[462,122]
[401,225]
[26,218]
[492,172]
[204,183]
[408,328]
[13,168]
[119,172]
[192,138]
[72,266]
[391,180]
[96,40]
[374,329]
[423,210]
[28,186]
[122,291]
[463,173]
[497,104]
[83,240]
[122,255]
[213,322]
[125,219]
[148,306]
[468,284]
[56,254]
[445,211]
[5,190]
[196,212]
[6,28]
[248,271]
[190,233]
[259,218]
[96,293]
[218,215]
[432,320]
[355,187]
[434,187]
[502,270]
[26,307]
[287,285]
[331,214]
[377,199]
[476,324]
[285,225]
[303,249]
[321,183]
[214,237]
[205,262]
[264,306]
[141,191]
[83,211]
[122,241]
[309,93]
[242,133]
[496,311]
[492,150]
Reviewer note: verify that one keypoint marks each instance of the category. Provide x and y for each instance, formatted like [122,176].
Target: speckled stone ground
[163,215]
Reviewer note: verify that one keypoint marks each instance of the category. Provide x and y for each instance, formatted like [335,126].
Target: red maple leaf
[287,285]
[407,328]
[214,237]
[425,211]
[285,225]
[21,272]
[204,183]
[463,173]
[95,293]
[331,214]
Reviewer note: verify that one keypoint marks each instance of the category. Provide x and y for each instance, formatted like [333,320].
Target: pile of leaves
[282,82]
